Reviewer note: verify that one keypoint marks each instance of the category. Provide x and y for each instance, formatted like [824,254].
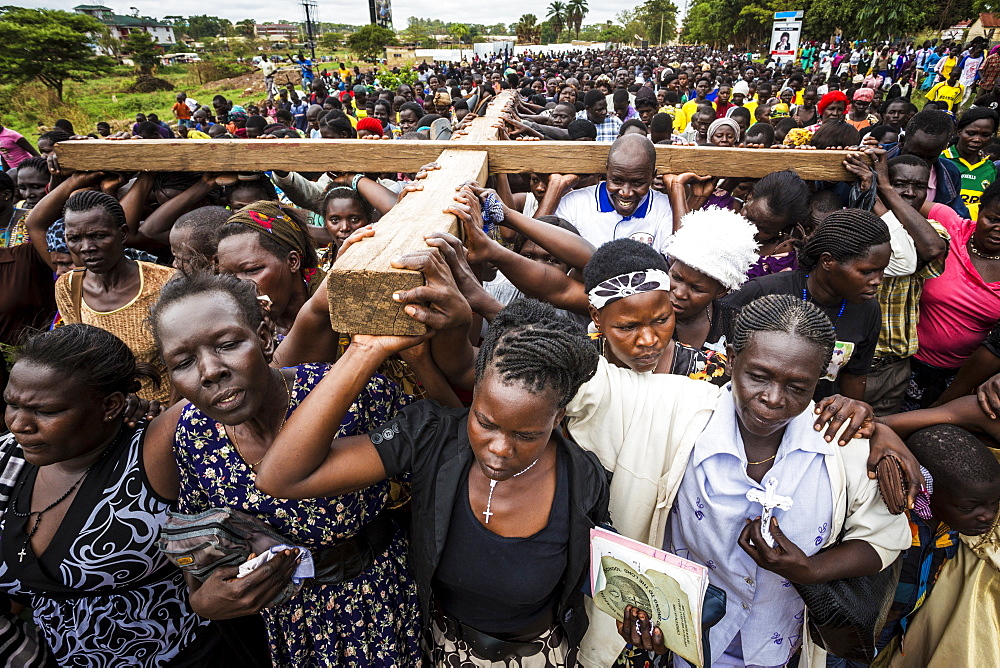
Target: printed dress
[372,620]
[101,593]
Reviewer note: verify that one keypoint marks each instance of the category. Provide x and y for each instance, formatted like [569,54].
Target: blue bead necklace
[805,298]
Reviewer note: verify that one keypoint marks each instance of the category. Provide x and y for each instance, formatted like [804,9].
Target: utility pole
[660,43]
[310,32]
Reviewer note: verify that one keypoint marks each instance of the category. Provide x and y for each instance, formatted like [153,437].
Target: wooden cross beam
[505,157]
[362,281]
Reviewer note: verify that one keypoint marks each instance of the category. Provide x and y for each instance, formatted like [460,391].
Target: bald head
[634,151]
[630,171]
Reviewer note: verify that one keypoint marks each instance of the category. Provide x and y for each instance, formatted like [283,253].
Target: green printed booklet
[670,589]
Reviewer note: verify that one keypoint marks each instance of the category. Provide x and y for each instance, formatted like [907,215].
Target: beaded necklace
[805,298]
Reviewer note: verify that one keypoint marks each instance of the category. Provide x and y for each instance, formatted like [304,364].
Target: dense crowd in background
[641,351]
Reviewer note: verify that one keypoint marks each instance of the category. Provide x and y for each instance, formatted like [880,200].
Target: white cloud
[355,13]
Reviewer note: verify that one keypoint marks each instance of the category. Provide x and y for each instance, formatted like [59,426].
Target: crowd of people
[645,352]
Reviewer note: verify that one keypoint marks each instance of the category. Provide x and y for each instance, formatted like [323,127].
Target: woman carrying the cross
[502,503]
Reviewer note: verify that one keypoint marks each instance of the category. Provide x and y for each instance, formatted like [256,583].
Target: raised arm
[570,248]
[157,226]
[134,203]
[306,459]
[929,244]
[534,279]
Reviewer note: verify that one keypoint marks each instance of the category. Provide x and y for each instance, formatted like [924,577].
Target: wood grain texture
[362,281]
[352,155]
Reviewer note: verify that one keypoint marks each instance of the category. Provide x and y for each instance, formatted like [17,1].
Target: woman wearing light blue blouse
[696,466]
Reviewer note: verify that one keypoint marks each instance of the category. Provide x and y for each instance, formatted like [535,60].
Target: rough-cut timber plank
[362,281]
[348,155]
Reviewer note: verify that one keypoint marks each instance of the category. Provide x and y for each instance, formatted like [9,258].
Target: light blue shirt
[763,611]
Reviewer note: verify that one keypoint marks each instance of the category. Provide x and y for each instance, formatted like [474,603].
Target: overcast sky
[340,11]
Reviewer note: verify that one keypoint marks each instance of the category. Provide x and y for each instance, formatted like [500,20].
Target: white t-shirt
[591,211]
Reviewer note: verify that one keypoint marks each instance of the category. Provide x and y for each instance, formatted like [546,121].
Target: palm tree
[557,16]
[576,10]
[527,29]
[459,31]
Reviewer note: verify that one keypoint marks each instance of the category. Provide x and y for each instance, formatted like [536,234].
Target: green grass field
[28,107]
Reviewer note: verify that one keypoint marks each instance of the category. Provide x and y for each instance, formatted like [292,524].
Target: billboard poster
[380,12]
[785,39]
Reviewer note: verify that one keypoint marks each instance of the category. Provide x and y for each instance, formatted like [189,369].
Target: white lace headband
[626,285]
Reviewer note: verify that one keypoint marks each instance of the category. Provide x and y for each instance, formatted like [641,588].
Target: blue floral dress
[372,620]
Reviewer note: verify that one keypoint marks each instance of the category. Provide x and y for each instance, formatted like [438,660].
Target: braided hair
[787,314]
[845,235]
[528,343]
[85,200]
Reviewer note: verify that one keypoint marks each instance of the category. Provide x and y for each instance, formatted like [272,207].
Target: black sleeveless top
[500,585]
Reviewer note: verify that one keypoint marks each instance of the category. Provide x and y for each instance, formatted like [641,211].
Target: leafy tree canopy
[50,46]
[369,41]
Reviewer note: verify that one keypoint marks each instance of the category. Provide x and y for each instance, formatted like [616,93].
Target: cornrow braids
[845,235]
[85,200]
[788,314]
[528,343]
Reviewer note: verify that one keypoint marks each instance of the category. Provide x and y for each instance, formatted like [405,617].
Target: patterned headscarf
[237,113]
[55,237]
[269,218]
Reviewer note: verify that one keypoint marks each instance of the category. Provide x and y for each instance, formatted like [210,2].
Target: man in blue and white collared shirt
[623,205]
[596,111]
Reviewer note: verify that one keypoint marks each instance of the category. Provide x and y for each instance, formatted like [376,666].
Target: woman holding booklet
[696,467]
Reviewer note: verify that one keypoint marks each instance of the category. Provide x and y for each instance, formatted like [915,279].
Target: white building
[121,25]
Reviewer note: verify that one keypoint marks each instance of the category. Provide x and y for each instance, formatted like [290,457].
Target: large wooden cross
[362,281]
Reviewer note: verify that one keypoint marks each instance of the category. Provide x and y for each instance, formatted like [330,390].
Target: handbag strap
[76,291]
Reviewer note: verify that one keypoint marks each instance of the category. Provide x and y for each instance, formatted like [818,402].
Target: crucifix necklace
[493,483]
[39,513]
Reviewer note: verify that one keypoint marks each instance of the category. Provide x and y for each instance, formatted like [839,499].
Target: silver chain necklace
[493,483]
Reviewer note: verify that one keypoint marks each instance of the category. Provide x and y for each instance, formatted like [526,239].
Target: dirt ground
[252,83]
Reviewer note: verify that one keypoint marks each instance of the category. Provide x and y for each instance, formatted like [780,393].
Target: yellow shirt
[946,93]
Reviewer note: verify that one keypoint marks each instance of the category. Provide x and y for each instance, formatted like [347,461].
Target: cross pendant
[489,502]
[22,553]
[769,500]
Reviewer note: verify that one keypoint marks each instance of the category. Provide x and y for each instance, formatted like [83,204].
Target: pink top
[13,154]
[958,308]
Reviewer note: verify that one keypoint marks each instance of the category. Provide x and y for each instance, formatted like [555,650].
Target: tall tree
[527,29]
[459,31]
[50,46]
[369,41]
[557,16]
[142,50]
[246,28]
[577,10]
[659,19]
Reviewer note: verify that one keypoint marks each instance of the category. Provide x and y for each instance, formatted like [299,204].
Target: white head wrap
[626,285]
[717,242]
[741,87]
[721,122]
